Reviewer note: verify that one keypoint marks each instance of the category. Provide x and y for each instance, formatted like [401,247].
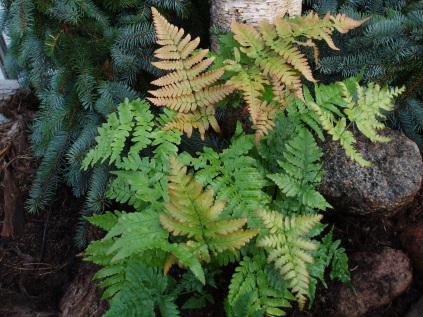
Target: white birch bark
[250,11]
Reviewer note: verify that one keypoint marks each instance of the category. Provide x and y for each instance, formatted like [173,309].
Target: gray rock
[377,279]
[381,189]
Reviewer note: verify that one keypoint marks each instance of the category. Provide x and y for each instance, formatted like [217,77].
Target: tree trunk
[250,12]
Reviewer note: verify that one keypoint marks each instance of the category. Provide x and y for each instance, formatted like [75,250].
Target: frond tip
[287,246]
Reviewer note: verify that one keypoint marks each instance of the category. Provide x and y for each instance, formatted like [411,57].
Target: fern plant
[208,209]
[278,61]
[188,88]
[389,47]
[192,213]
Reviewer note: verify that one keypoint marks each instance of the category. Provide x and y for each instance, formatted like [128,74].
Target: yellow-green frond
[200,120]
[251,83]
[368,107]
[287,245]
[249,38]
[284,48]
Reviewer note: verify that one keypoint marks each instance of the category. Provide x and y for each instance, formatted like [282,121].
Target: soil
[39,261]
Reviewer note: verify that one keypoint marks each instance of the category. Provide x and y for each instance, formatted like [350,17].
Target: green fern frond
[370,106]
[302,171]
[142,182]
[364,107]
[143,290]
[114,133]
[236,178]
[189,284]
[328,254]
[302,115]
[287,245]
[250,279]
[105,221]
[137,232]
[271,149]
[192,212]
[97,252]
[241,306]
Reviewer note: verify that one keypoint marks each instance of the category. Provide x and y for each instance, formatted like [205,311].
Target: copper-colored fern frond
[186,103]
[194,216]
[284,48]
[344,24]
[321,29]
[265,120]
[279,90]
[187,86]
[199,119]
[190,86]
[251,83]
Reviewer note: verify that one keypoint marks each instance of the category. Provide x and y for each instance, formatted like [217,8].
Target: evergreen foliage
[389,47]
[211,208]
[82,58]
